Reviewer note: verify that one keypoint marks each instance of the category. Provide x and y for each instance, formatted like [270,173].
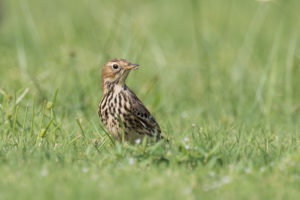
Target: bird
[122,113]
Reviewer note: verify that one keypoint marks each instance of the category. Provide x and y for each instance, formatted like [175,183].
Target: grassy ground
[221,77]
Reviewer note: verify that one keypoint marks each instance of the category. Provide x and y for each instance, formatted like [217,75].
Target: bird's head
[116,71]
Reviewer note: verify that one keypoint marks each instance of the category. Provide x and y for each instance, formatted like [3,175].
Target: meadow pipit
[120,110]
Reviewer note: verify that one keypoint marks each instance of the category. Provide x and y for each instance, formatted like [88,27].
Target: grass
[221,78]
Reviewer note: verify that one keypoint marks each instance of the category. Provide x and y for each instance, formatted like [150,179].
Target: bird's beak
[131,66]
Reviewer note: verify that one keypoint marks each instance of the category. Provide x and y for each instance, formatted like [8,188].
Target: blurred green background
[225,70]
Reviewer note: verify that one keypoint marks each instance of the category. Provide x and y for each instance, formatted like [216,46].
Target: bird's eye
[115,66]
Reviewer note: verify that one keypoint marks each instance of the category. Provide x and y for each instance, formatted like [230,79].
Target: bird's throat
[108,85]
[111,86]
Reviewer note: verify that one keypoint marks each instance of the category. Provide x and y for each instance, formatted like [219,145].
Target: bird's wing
[146,120]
